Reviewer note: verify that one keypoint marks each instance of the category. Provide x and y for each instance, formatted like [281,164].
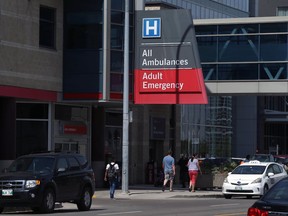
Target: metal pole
[125,142]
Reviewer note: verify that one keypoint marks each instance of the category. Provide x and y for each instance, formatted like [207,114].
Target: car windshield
[32,164]
[249,170]
[278,192]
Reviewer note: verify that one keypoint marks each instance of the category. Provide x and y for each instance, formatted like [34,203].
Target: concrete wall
[22,62]
[266,7]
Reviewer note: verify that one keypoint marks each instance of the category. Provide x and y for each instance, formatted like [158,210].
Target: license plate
[238,188]
[7,192]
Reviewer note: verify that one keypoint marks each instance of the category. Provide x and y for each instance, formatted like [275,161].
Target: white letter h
[153,27]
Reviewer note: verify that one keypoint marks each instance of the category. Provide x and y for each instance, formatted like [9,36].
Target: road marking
[233,204]
[233,214]
[120,213]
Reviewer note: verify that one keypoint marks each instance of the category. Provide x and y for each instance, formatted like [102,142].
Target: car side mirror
[270,174]
[61,169]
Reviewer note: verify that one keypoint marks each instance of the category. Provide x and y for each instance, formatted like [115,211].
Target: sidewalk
[155,193]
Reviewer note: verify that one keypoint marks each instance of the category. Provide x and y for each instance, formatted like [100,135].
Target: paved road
[143,200]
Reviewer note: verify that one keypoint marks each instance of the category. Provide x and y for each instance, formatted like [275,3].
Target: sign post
[125,133]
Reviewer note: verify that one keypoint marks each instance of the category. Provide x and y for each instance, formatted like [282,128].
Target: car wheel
[85,201]
[265,189]
[227,196]
[48,202]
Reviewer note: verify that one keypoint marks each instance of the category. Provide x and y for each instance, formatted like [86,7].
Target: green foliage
[210,168]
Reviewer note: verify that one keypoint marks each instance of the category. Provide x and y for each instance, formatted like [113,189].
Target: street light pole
[125,142]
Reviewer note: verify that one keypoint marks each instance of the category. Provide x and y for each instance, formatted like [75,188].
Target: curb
[158,194]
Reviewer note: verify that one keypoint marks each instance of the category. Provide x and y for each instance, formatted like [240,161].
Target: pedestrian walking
[247,159]
[194,169]
[182,162]
[111,175]
[168,166]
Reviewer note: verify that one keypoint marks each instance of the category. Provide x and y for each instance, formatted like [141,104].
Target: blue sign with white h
[151,28]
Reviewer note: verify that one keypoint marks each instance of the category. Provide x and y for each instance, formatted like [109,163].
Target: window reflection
[273,71]
[273,27]
[238,72]
[117,37]
[238,48]
[207,129]
[208,47]
[243,50]
[274,47]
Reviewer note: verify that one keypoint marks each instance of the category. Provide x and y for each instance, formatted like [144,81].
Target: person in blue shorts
[168,166]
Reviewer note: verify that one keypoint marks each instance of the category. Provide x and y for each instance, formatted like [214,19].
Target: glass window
[83,30]
[99,5]
[32,136]
[270,169]
[118,5]
[32,111]
[118,17]
[276,169]
[238,29]
[209,72]
[238,48]
[113,141]
[74,165]
[62,163]
[131,5]
[114,118]
[238,72]
[116,81]
[117,59]
[206,30]
[70,113]
[207,47]
[63,112]
[249,170]
[273,47]
[131,45]
[279,192]
[273,27]
[282,11]
[47,28]
[117,37]
[273,71]
[82,160]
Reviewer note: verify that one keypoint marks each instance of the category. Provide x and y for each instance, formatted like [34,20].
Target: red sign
[173,86]
[74,129]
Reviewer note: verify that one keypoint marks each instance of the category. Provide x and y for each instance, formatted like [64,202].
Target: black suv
[40,180]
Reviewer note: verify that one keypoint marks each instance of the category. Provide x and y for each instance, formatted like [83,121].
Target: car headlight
[258,180]
[32,183]
[226,180]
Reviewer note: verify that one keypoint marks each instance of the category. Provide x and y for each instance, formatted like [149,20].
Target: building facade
[272,111]
[61,74]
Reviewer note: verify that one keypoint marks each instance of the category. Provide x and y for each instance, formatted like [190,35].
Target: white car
[253,178]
